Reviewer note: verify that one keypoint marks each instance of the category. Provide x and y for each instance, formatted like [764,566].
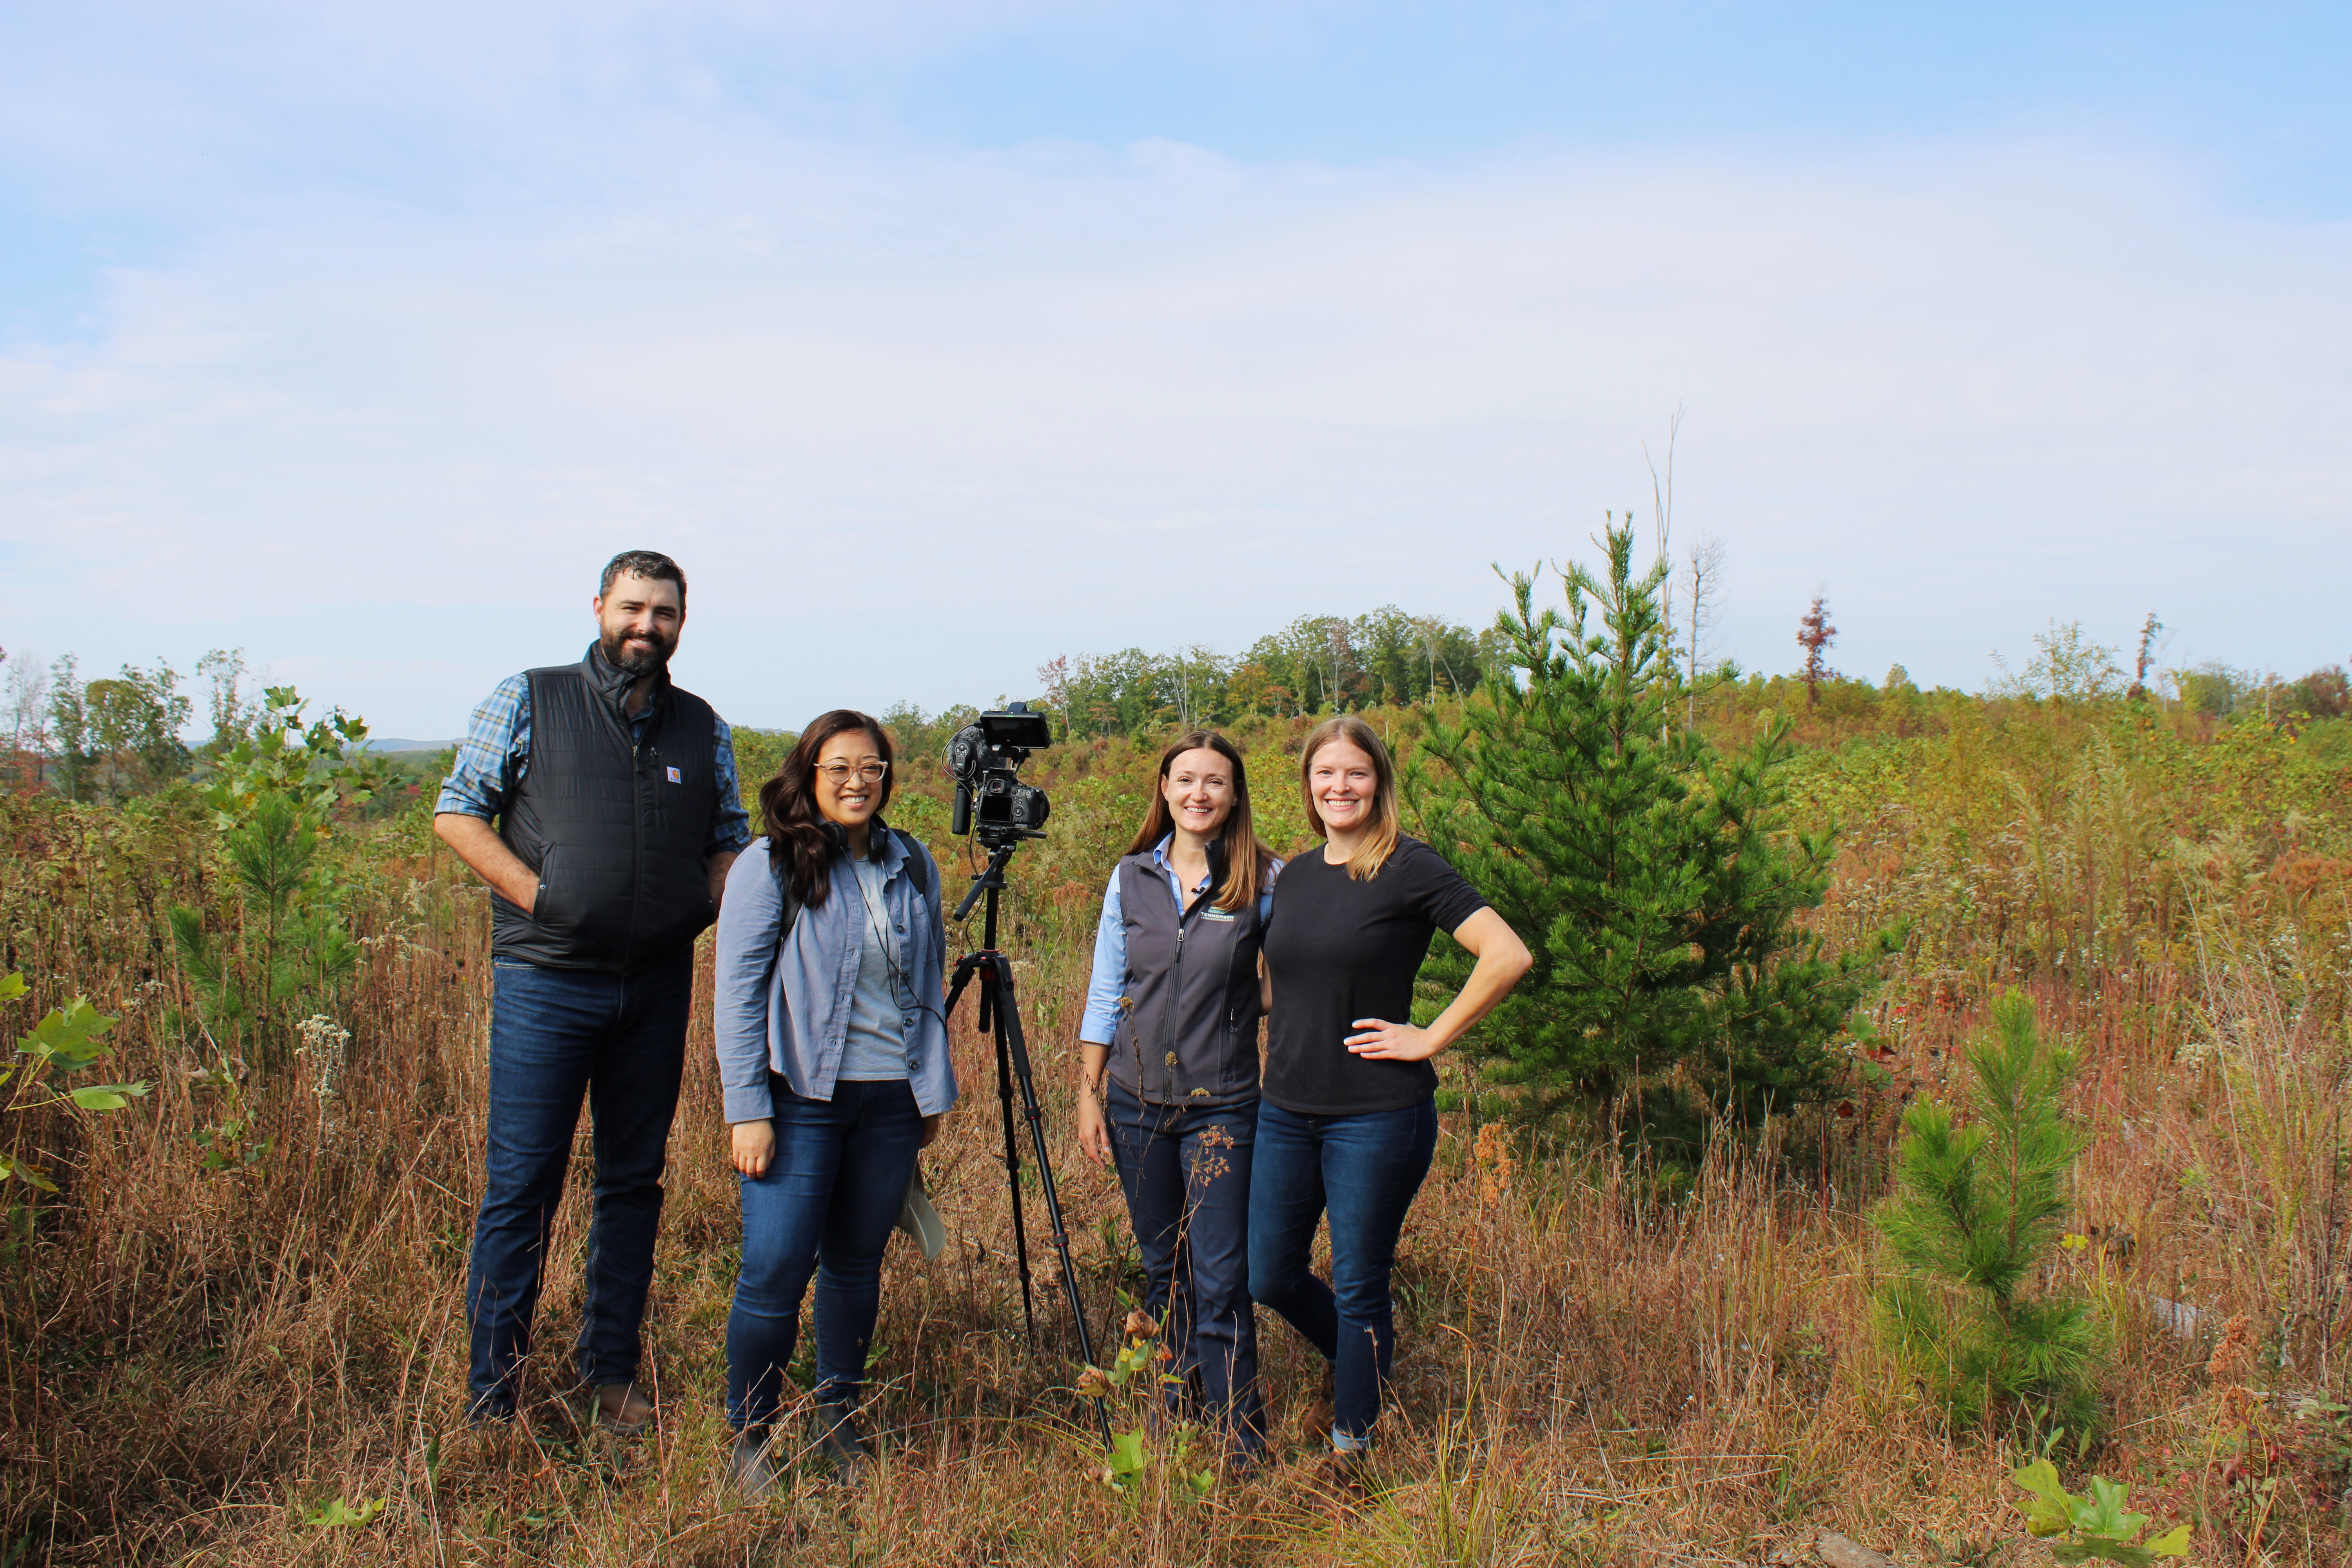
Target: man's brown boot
[623,1410]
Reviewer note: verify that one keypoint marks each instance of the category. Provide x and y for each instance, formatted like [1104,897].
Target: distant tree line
[1317,664]
[110,738]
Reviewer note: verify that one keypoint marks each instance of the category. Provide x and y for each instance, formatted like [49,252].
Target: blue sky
[938,340]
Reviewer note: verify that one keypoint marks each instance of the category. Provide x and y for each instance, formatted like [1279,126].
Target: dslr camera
[984,756]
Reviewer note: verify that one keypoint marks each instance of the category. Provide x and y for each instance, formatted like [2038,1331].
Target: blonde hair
[1380,839]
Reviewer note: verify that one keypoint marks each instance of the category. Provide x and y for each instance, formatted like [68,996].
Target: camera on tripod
[1002,811]
[984,755]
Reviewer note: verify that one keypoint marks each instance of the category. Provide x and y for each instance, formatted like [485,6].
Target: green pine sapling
[1977,1212]
[1660,884]
[286,951]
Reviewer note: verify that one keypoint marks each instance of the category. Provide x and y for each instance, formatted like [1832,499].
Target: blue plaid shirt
[496,753]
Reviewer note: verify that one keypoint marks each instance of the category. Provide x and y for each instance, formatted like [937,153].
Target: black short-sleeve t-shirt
[1339,950]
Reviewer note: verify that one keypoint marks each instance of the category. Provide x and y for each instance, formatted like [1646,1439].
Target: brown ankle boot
[623,1410]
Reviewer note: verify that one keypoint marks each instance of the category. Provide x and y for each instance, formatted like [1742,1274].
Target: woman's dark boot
[752,1464]
[840,1439]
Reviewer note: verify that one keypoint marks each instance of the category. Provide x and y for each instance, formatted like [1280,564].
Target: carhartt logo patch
[675,776]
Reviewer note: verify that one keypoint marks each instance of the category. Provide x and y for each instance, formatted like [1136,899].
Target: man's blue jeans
[825,1207]
[555,1035]
[1365,1169]
[1186,1174]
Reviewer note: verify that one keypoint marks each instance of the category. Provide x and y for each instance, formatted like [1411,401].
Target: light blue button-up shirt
[1099,1024]
[783,1005]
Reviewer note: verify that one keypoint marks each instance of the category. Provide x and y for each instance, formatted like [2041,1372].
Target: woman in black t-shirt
[1348,1120]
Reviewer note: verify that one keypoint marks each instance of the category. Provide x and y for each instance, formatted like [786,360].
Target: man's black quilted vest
[616,833]
[1188,1028]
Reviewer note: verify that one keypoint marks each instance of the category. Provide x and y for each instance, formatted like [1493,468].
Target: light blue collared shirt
[1099,1025]
[783,1005]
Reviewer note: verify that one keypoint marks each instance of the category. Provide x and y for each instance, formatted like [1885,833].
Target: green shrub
[286,953]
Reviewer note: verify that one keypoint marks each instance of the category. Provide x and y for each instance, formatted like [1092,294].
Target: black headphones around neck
[839,836]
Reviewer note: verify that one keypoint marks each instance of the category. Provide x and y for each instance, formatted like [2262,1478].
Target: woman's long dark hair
[1244,860]
[801,842]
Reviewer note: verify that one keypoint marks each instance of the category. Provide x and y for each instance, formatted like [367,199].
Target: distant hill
[389,744]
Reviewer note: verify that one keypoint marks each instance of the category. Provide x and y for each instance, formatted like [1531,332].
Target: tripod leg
[1011,1042]
[964,970]
[1012,1154]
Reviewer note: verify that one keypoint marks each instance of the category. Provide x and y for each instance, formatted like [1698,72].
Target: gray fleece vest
[1189,1010]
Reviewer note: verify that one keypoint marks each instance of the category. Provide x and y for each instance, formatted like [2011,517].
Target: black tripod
[1001,1015]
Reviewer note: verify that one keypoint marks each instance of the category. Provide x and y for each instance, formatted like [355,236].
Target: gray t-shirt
[873,1048]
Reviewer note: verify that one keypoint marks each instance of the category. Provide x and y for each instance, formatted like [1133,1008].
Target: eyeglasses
[842,773]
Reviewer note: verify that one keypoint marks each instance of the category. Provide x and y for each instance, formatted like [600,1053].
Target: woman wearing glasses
[1167,1071]
[833,1057]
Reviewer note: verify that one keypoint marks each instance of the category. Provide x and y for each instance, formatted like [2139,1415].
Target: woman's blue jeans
[1365,1170]
[825,1207]
[1186,1174]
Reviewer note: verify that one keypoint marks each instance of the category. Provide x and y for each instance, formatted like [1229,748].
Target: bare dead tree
[1662,509]
[2147,651]
[1814,635]
[1703,577]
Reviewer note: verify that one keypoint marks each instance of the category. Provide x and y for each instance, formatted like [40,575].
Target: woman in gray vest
[1168,1073]
[832,1054]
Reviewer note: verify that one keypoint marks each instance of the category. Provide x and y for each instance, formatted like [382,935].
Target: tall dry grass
[1596,1365]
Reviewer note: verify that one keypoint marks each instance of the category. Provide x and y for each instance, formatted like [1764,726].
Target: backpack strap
[925,873]
[784,887]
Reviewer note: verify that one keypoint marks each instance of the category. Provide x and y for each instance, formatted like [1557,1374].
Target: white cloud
[916,422]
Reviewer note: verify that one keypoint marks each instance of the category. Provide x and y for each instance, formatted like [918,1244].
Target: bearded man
[614,795]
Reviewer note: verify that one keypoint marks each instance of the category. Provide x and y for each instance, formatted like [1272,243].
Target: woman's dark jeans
[557,1035]
[826,1206]
[1365,1169]
[1186,1172]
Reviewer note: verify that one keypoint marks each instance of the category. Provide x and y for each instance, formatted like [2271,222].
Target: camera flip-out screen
[1017,727]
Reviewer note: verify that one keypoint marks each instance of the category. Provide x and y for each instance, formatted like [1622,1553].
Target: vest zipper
[1174,1054]
[1175,1004]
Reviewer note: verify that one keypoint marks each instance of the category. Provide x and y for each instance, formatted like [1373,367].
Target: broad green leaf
[63,1040]
[2105,1514]
[12,986]
[335,1514]
[2049,1511]
[1126,1452]
[108,1096]
[2173,1542]
[25,1170]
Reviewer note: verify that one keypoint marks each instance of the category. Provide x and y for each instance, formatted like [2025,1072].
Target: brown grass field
[1600,1361]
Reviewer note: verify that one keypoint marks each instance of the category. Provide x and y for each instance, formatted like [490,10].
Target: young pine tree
[284,950]
[1975,1213]
[1656,881]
